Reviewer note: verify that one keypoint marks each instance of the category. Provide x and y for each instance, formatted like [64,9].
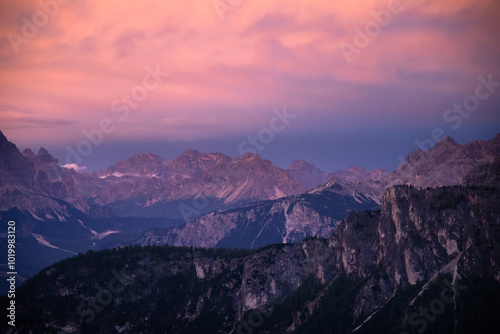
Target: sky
[336,83]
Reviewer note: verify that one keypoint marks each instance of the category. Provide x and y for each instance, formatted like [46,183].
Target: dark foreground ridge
[427,262]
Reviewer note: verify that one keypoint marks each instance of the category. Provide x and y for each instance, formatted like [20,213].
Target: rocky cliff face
[372,260]
[14,169]
[285,220]
[422,231]
[445,164]
[486,174]
[358,173]
[190,185]
[311,176]
[146,185]
[184,166]
[55,181]
[194,183]
[306,173]
[53,218]
[30,182]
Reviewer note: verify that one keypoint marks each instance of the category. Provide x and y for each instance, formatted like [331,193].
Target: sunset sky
[231,63]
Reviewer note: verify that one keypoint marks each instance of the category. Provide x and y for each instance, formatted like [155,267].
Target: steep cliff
[377,265]
[146,185]
[445,164]
[284,220]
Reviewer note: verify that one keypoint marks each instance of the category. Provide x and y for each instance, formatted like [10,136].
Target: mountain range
[426,262]
[284,220]
[318,211]
[202,199]
[192,184]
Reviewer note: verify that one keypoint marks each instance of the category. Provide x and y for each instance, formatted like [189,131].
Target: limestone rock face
[486,174]
[31,182]
[306,173]
[358,173]
[445,164]
[190,185]
[311,176]
[146,185]
[415,237]
[285,220]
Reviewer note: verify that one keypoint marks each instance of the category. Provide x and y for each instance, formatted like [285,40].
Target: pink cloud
[229,74]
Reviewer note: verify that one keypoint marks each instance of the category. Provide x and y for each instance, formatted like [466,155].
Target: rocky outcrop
[307,174]
[15,170]
[358,173]
[55,181]
[190,185]
[311,176]
[445,164]
[370,259]
[487,174]
[30,182]
[286,220]
[146,185]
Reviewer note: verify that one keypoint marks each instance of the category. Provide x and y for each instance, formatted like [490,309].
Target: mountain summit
[426,252]
[306,173]
[446,163]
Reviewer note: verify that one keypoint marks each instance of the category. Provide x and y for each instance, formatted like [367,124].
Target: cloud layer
[227,74]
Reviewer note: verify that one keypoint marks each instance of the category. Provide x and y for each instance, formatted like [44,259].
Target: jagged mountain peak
[191,152]
[195,157]
[250,155]
[153,156]
[15,170]
[43,151]
[252,159]
[303,165]
[447,143]
[146,156]
[3,139]
[39,174]
[332,181]
[300,163]
[141,162]
[308,174]
[7,147]
[446,163]
[193,162]
[359,173]
[28,153]
[255,163]
[45,157]
[137,164]
[42,159]
[189,155]
[449,140]
[356,168]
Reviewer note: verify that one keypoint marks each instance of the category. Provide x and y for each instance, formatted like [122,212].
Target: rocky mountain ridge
[311,176]
[61,209]
[292,218]
[25,178]
[306,173]
[190,185]
[374,263]
[445,164]
[289,219]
